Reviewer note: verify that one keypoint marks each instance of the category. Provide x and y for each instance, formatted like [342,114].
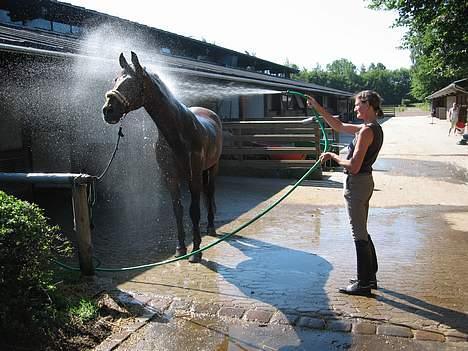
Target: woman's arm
[333,122]
[353,165]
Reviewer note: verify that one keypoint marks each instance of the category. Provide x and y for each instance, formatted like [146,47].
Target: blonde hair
[373,98]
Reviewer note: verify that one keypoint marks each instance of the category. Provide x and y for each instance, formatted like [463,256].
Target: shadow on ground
[451,318]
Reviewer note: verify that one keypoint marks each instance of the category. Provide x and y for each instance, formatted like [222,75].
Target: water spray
[326,148]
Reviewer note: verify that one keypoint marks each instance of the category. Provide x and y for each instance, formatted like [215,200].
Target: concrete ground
[274,284]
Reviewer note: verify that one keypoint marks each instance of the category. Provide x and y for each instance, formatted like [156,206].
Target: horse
[188,147]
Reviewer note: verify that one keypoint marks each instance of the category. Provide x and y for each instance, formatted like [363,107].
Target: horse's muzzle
[110,115]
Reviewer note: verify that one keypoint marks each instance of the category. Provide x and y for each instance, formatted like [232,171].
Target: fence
[269,147]
[389,110]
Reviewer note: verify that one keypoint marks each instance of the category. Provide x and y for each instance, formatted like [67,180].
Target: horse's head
[127,93]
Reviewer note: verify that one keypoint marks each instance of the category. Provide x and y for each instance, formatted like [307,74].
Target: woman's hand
[324,157]
[311,102]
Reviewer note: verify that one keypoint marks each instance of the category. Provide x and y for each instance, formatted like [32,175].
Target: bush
[27,242]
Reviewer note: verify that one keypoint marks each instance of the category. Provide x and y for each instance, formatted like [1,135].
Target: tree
[393,85]
[341,74]
[437,38]
[316,76]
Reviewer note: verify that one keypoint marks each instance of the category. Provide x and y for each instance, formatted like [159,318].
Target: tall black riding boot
[374,265]
[364,267]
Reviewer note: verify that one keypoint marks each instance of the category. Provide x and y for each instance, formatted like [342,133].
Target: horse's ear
[123,62]
[136,63]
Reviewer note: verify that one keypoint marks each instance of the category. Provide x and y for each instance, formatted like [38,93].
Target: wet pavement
[274,285]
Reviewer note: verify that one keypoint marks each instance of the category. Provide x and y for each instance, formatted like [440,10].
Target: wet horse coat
[188,147]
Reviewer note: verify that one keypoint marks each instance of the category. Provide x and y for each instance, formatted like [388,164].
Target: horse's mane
[160,85]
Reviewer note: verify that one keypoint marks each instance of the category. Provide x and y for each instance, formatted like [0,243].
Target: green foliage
[27,242]
[437,37]
[392,85]
[85,310]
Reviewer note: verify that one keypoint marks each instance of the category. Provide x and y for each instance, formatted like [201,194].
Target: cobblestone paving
[286,268]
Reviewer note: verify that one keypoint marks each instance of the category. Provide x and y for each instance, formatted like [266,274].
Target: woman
[358,184]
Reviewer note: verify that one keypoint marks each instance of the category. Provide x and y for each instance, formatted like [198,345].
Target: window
[61,27]
[39,23]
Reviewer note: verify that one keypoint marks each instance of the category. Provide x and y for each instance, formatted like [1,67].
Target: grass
[85,310]
[423,106]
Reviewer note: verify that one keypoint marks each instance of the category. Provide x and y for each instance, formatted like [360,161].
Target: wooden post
[82,228]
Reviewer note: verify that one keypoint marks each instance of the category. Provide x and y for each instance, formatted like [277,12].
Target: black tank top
[372,151]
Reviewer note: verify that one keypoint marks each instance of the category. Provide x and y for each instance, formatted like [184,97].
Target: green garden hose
[238,229]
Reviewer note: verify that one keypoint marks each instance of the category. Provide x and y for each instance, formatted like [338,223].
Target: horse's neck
[169,115]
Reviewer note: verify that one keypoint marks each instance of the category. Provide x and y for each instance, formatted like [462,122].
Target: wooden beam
[83,228]
[267,150]
[267,164]
[271,138]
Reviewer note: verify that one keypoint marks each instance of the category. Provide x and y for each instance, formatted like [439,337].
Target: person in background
[358,184]
[453,117]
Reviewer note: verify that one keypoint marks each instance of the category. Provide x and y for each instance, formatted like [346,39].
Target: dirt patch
[72,333]
[112,318]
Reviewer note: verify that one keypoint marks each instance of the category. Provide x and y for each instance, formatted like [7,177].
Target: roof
[43,43]
[455,88]
[21,11]
[14,38]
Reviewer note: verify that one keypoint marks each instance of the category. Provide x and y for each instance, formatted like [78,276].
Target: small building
[443,99]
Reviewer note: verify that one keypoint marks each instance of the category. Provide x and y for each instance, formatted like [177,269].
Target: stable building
[58,60]
[443,99]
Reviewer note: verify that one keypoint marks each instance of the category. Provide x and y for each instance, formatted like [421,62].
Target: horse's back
[206,113]
[214,130]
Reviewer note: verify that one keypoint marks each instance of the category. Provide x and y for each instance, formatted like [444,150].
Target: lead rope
[120,135]
[91,189]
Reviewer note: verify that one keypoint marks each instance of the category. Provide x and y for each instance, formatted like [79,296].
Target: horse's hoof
[211,231]
[180,251]
[196,258]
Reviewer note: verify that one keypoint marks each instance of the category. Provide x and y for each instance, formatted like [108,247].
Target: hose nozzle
[293,92]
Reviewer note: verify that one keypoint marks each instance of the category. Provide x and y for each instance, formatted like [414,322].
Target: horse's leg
[195,186]
[174,189]
[209,177]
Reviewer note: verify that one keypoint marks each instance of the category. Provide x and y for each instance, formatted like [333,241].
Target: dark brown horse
[188,147]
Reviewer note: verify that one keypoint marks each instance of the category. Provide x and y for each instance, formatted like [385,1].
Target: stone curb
[149,312]
[176,307]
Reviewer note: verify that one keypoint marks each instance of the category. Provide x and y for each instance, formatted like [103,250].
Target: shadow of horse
[454,319]
[290,280]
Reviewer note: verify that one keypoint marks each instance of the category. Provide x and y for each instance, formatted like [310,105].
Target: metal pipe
[49,178]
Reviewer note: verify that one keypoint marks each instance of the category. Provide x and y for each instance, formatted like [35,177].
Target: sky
[302,32]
